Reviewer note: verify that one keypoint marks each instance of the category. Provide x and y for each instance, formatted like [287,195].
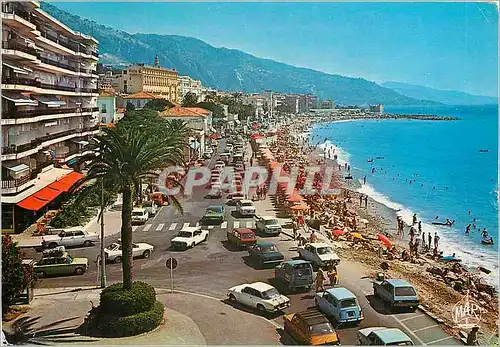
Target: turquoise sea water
[449,176]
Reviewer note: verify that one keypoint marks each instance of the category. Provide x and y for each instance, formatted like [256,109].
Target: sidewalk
[112,225]
[190,319]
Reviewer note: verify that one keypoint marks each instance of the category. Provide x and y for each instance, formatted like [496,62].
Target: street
[212,267]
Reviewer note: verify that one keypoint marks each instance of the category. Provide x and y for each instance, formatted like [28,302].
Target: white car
[382,336]
[189,237]
[245,208]
[268,225]
[262,296]
[71,237]
[150,207]
[114,251]
[140,215]
[320,254]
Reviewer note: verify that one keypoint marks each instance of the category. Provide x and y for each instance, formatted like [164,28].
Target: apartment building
[149,79]
[189,85]
[49,113]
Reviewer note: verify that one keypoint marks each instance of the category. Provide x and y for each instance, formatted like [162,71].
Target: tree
[285,109]
[158,104]
[129,153]
[189,100]
[217,110]
[15,277]
[130,107]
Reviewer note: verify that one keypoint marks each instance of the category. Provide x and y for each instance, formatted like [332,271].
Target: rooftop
[141,95]
[313,317]
[391,335]
[261,286]
[399,283]
[179,111]
[341,293]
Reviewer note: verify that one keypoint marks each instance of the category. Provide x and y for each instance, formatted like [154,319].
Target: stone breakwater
[342,116]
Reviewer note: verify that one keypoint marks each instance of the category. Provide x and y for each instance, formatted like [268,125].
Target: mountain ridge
[450,97]
[228,69]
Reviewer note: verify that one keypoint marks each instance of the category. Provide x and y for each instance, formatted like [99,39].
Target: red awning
[257,136]
[67,181]
[39,199]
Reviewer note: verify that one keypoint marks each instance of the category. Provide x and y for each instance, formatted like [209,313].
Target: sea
[436,169]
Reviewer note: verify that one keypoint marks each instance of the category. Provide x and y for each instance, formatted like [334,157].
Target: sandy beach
[440,290]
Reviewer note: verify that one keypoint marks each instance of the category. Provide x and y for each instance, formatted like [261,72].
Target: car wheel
[118,259]
[232,298]
[52,245]
[79,271]
[193,244]
[375,293]
[87,243]
[262,310]
[206,238]
[146,253]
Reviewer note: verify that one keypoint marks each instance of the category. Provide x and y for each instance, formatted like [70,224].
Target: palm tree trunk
[126,235]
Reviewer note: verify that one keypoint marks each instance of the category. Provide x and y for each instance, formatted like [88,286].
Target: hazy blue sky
[441,45]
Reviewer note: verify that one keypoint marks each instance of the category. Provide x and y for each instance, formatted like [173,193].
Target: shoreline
[437,295]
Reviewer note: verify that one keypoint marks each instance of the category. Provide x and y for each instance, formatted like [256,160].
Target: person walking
[360,200]
[364,179]
[264,191]
[467,229]
[436,240]
[419,226]
[414,218]
[366,201]
[430,240]
[423,240]
[320,280]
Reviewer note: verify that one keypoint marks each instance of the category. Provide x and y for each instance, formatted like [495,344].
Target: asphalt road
[212,267]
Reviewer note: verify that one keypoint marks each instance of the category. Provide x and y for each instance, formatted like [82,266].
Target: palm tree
[125,156]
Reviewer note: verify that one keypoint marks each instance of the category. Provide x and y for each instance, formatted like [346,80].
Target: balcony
[72,46]
[59,64]
[16,183]
[43,141]
[8,9]
[38,112]
[34,83]
[12,45]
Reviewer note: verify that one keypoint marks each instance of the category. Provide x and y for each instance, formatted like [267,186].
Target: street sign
[171,263]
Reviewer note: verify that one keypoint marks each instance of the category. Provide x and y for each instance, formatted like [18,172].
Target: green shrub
[118,302]
[134,324]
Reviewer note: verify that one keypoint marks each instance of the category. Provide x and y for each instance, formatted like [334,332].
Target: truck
[397,293]
[319,254]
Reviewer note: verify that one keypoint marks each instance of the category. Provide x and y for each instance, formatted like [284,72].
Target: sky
[451,46]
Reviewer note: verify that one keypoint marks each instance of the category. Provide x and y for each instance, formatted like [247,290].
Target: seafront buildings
[49,109]
[190,85]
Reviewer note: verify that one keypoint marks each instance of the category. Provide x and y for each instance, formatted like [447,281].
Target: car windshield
[348,303]
[272,222]
[325,250]
[320,329]
[405,291]
[214,210]
[113,246]
[137,213]
[270,293]
[248,204]
[302,269]
[185,234]
[269,248]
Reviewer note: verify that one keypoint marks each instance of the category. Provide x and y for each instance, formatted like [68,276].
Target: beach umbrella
[338,232]
[385,240]
[300,207]
[357,236]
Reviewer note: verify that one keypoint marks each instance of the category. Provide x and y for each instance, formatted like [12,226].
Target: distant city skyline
[449,46]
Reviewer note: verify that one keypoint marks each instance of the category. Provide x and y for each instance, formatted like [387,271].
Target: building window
[103,108]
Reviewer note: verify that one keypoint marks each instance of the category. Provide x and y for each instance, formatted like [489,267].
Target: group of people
[363,200]
[261,192]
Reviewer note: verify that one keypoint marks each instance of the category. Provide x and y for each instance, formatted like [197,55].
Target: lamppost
[103,254]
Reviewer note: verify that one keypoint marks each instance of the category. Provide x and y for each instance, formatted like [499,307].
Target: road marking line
[410,318]
[409,330]
[431,326]
[160,226]
[439,340]
[223,225]
[147,227]
[236,224]
[172,226]
[211,226]
[185,225]
[366,293]
[134,228]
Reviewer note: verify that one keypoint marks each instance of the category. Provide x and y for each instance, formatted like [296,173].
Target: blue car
[340,304]
[398,293]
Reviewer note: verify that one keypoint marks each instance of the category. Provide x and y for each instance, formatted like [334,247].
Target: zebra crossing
[176,226]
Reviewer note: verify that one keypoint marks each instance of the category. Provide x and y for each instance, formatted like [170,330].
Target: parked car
[150,207]
[340,304]
[245,208]
[213,214]
[265,253]
[397,293]
[310,327]
[140,215]
[382,336]
[57,262]
[189,237]
[262,296]
[71,237]
[241,237]
[114,251]
[320,254]
[268,225]
[295,274]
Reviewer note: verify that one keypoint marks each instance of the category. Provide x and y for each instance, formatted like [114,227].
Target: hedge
[118,302]
[136,324]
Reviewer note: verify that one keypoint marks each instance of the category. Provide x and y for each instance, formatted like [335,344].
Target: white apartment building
[49,99]
[189,85]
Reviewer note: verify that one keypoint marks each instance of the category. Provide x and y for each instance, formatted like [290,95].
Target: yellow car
[310,327]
